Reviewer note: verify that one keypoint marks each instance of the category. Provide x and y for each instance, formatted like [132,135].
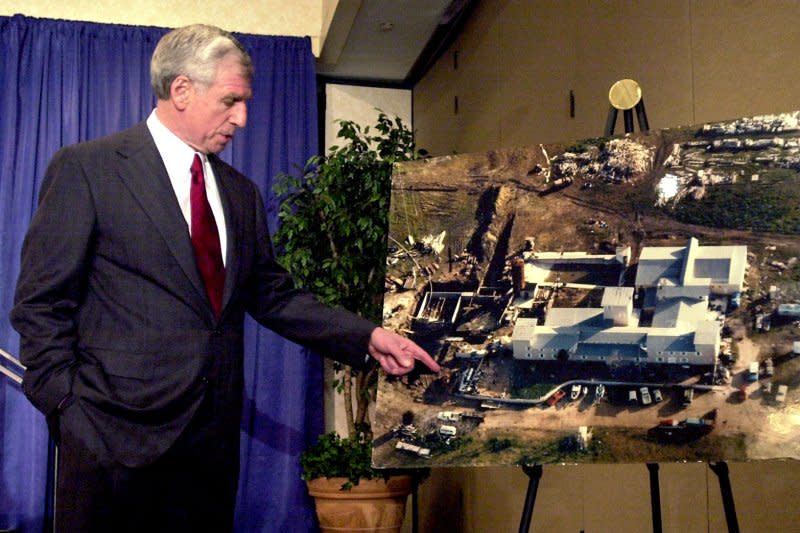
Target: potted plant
[349,494]
[333,239]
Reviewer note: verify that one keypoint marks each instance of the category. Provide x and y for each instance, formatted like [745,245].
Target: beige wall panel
[746,57]
[478,84]
[435,123]
[537,70]
[764,493]
[441,501]
[646,41]
[616,498]
[475,82]
[610,498]
[716,510]
[684,506]
[545,49]
[494,498]
[362,105]
[478,500]
[559,501]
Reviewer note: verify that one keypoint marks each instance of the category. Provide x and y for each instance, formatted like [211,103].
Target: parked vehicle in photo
[681,431]
[646,399]
[752,374]
[449,431]
[688,395]
[780,396]
[557,395]
[449,416]
[575,393]
[599,392]
[769,367]
[657,395]
[413,448]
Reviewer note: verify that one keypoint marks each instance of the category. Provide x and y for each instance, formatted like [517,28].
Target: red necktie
[205,238]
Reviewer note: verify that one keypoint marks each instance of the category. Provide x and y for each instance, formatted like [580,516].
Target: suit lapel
[233,225]
[145,175]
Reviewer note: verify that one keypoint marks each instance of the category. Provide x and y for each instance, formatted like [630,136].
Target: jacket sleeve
[295,313]
[52,282]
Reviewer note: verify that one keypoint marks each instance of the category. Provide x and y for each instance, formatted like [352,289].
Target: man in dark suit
[141,261]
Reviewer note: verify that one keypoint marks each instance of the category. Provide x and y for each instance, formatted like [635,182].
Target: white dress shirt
[178,157]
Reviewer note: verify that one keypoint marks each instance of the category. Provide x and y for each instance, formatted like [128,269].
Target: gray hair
[195,52]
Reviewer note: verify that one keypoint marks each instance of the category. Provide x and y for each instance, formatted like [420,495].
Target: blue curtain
[283,396]
[65,82]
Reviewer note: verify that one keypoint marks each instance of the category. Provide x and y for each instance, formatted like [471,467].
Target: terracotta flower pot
[372,505]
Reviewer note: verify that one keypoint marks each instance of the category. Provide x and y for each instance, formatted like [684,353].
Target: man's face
[214,113]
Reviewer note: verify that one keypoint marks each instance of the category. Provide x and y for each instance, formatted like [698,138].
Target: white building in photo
[677,283]
[720,269]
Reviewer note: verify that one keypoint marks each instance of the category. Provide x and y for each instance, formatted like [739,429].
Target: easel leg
[534,472]
[627,118]
[655,497]
[641,115]
[611,121]
[721,470]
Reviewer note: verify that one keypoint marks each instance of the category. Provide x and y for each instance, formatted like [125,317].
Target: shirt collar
[176,154]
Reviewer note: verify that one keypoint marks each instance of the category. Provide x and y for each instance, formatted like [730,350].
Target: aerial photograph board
[625,299]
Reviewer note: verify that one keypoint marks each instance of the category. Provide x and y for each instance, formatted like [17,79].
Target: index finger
[422,356]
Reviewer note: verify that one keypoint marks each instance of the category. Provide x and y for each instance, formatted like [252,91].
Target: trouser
[191,488]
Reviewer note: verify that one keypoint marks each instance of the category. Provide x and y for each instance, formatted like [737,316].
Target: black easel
[627,115]
[627,103]
[721,470]
[534,473]
[655,497]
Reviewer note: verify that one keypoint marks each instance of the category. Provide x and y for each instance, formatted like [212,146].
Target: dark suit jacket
[118,336]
